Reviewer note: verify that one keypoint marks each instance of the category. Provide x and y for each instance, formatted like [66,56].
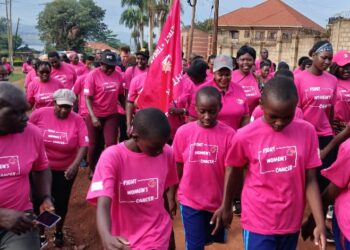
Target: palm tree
[135,19]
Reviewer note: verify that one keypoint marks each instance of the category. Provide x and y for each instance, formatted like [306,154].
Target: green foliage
[206,25]
[17,40]
[68,24]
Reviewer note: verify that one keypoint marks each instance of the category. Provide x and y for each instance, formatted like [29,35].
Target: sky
[317,10]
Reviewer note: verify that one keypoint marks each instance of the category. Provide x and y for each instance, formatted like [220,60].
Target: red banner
[165,70]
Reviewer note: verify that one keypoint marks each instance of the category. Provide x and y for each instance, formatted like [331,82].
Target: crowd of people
[245,136]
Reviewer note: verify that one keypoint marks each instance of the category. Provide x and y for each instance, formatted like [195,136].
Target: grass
[16,76]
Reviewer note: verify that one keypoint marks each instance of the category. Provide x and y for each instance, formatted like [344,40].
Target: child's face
[207,109]
[152,147]
[278,114]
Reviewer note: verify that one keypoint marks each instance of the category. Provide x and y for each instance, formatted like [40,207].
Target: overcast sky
[318,10]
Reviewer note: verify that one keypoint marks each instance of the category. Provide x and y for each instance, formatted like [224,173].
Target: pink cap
[342,58]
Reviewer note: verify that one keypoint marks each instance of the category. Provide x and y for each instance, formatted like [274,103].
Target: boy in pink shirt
[258,112]
[129,183]
[61,71]
[282,155]
[200,152]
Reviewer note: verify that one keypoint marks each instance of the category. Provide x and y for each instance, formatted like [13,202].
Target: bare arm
[130,106]
[336,141]
[94,119]
[72,171]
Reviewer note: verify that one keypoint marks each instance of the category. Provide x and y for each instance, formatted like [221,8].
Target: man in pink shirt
[281,155]
[141,66]
[264,55]
[21,152]
[79,67]
[62,71]
[104,94]
[129,183]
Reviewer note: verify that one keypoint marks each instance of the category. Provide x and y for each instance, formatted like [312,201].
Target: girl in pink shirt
[129,183]
[317,90]
[41,89]
[245,78]
[281,155]
[210,73]
[200,152]
[263,75]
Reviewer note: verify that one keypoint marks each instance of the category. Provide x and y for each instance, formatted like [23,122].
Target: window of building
[286,35]
[272,35]
[234,34]
[246,33]
[259,35]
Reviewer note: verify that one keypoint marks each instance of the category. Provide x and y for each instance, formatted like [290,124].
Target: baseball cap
[222,61]
[64,97]
[143,52]
[342,58]
[109,58]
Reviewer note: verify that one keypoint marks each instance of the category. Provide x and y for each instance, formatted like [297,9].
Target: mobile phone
[48,219]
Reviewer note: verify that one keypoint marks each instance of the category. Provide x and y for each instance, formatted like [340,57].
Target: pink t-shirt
[136,182]
[29,77]
[317,96]
[339,174]
[203,153]
[8,67]
[136,87]
[40,94]
[78,89]
[210,75]
[80,68]
[62,137]
[26,68]
[20,153]
[189,91]
[342,104]
[130,73]
[234,105]
[257,66]
[273,196]
[65,74]
[105,90]
[250,87]
[258,112]
[297,71]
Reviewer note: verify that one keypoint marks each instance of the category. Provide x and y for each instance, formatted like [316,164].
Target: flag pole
[215,28]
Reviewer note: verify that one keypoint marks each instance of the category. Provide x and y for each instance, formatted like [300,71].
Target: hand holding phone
[47,219]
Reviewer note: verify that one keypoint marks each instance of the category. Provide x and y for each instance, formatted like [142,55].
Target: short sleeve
[172,178]
[339,172]
[105,176]
[133,91]
[82,132]
[237,155]
[78,85]
[128,77]
[313,157]
[41,163]
[179,146]
[30,94]
[89,88]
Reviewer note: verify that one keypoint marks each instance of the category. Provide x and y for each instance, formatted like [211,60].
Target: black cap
[109,58]
[143,52]
[197,67]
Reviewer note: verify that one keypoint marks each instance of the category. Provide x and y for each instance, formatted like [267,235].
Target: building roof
[100,46]
[271,13]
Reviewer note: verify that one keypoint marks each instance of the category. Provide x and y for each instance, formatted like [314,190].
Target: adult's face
[211,64]
[13,116]
[75,59]
[124,56]
[107,69]
[62,111]
[43,73]
[141,61]
[344,72]
[264,54]
[55,62]
[245,63]
[222,78]
[322,60]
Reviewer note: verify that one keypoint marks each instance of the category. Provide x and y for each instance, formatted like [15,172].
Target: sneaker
[237,207]
[43,241]
[58,239]
[329,215]
[329,236]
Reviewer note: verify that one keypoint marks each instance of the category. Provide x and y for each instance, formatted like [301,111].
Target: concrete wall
[340,33]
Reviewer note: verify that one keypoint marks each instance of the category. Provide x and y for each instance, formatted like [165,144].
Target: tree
[206,25]
[17,40]
[68,24]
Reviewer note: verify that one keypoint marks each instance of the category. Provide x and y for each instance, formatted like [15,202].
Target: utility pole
[16,35]
[8,4]
[190,42]
[215,27]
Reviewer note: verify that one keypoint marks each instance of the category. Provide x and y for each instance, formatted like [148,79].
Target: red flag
[164,73]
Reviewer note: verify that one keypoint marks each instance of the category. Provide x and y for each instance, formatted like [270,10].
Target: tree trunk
[151,28]
[190,43]
[142,35]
